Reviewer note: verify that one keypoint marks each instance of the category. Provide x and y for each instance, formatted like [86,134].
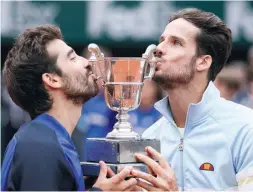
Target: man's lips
[158,65]
[93,76]
[90,72]
[157,61]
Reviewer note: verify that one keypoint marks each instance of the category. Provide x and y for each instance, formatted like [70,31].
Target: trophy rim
[124,58]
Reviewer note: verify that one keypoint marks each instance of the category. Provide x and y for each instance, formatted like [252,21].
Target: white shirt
[181,131]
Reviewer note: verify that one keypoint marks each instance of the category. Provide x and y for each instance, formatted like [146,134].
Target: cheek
[70,70]
[76,66]
[175,61]
[78,79]
[176,55]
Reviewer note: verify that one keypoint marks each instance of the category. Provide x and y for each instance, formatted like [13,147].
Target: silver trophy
[123,79]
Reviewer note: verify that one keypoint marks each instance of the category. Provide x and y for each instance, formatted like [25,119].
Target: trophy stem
[123,124]
[122,129]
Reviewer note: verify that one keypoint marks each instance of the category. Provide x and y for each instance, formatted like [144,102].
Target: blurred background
[123,28]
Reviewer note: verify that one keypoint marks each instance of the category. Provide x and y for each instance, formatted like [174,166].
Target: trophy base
[92,169]
[117,150]
[115,153]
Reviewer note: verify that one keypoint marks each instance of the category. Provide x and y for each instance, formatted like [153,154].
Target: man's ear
[52,80]
[204,62]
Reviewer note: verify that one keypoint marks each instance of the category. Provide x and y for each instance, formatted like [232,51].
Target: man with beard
[45,77]
[206,139]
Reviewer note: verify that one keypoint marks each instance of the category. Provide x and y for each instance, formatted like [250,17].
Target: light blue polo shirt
[216,151]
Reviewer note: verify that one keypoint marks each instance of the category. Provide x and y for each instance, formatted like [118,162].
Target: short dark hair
[214,38]
[25,63]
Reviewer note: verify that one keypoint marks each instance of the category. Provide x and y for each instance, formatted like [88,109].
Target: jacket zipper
[181,148]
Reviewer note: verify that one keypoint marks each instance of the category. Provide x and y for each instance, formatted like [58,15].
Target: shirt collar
[51,122]
[196,111]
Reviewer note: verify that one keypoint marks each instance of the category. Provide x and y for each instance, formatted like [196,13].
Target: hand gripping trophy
[123,81]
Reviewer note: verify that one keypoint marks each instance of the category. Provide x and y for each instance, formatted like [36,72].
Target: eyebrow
[69,52]
[171,37]
[176,37]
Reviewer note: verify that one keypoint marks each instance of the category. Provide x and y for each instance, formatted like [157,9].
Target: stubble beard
[171,79]
[80,89]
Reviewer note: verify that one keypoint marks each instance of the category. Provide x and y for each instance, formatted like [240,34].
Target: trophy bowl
[123,87]
[123,79]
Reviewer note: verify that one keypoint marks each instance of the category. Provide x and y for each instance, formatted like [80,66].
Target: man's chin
[165,83]
[158,78]
[82,98]
[170,83]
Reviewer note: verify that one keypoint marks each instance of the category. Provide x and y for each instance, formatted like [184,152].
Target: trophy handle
[94,49]
[151,73]
[148,55]
[96,57]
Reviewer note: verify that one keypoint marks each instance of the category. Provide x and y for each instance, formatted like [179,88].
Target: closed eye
[176,42]
[161,39]
[73,58]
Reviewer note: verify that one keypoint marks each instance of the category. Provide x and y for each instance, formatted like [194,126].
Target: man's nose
[158,52]
[86,62]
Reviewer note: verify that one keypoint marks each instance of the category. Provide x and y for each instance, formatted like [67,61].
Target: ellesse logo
[206,167]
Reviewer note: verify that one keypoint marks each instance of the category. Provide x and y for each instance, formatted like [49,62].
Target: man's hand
[161,177]
[116,182]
